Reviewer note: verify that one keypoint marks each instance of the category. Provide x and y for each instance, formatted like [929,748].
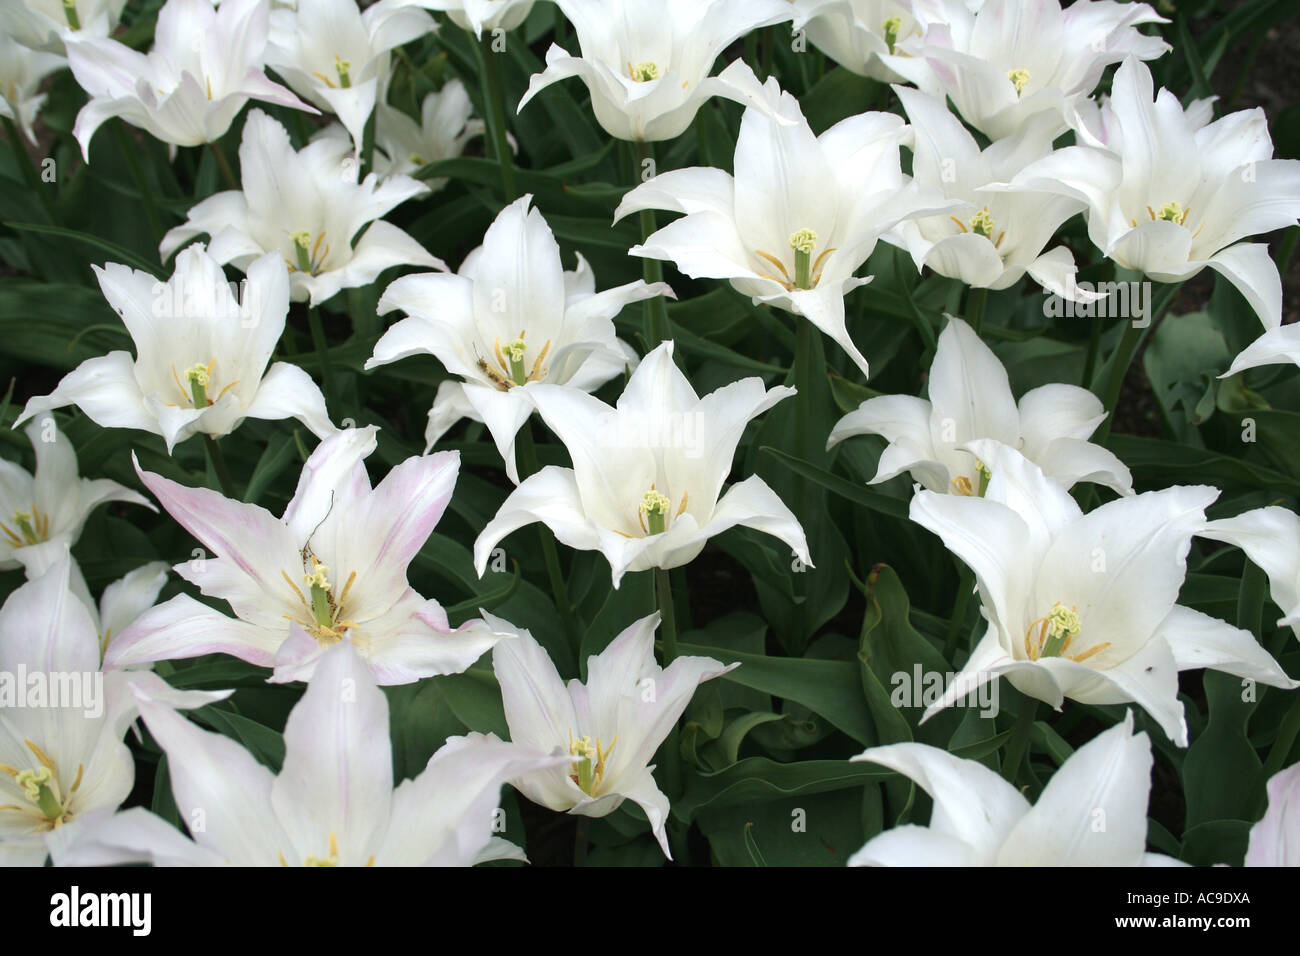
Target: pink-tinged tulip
[206,63]
[333,802]
[62,720]
[332,568]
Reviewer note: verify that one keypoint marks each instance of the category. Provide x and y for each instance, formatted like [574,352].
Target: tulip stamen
[311,262]
[587,774]
[34,527]
[1053,635]
[40,786]
[324,618]
[785,280]
[331,860]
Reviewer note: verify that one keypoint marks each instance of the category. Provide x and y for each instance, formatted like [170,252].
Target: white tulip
[206,63]
[511,318]
[201,354]
[646,478]
[970,398]
[1082,606]
[306,206]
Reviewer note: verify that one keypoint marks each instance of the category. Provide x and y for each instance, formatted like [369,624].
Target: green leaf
[830,688]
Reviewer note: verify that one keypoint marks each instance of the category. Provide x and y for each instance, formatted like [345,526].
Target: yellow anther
[1018,78]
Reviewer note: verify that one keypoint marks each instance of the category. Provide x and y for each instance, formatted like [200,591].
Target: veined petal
[337,779]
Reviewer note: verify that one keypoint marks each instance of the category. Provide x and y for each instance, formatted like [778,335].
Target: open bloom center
[342,70]
[194,384]
[961,485]
[588,768]
[807,271]
[44,797]
[308,255]
[28,528]
[644,72]
[1018,77]
[510,369]
[323,616]
[1054,634]
[982,224]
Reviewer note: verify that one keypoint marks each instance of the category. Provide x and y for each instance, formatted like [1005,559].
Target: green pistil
[1062,624]
[319,583]
[1172,212]
[301,239]
[515,355]
[645,71]
[197,376]
[70,11]
[24,522]
[655,508]
[803,243]
[892,26]
[342,66]
[982,224]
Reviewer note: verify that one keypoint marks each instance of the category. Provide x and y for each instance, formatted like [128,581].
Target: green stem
[28,168]
[1094,344]
[1250,599]
[322,354]
[559,591]
[668,613]
[494,97]
[581,837]
[368,146]
[1018,745]
[965,583]
[223,164]
[672,754]
[976,303]
[657,328]
[219,466]
[1123,358]
[1283,743]
[146,194]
